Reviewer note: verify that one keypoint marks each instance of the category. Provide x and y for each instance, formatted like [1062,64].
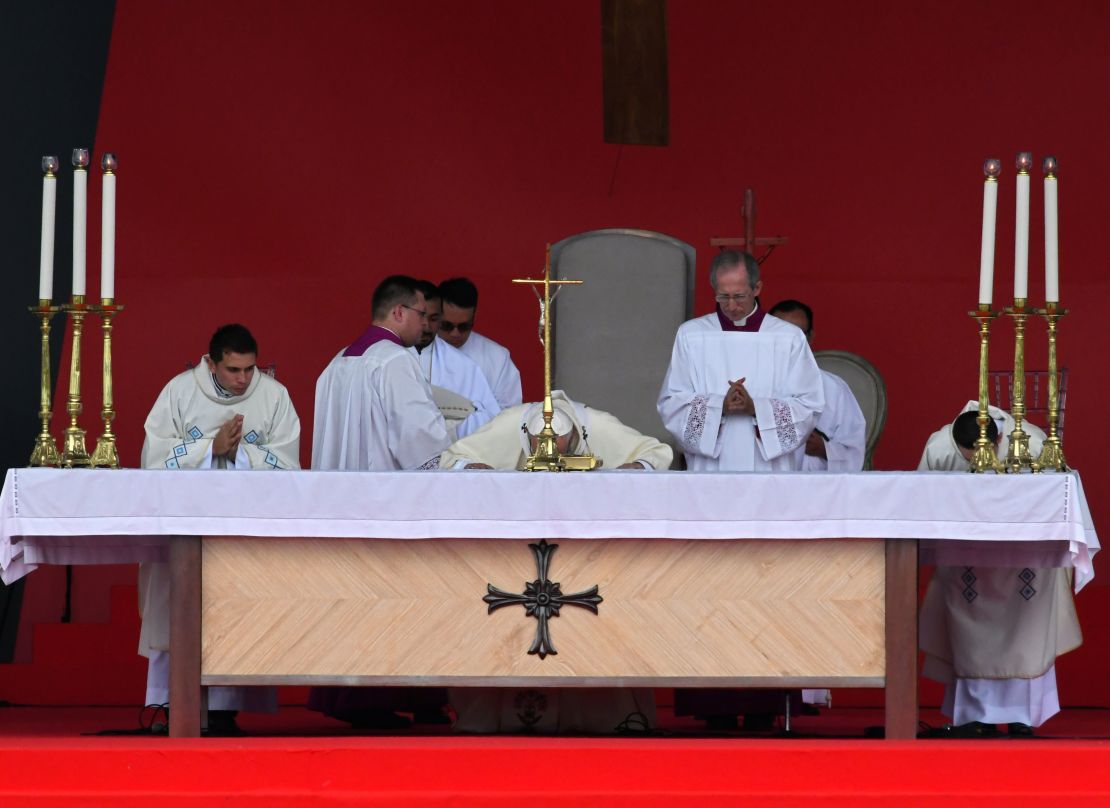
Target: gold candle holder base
[1018,458]
[45,452]
[984,457]
[1052,454]
[106,455]
[74,453]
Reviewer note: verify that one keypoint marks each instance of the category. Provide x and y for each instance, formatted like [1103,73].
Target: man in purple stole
[375,412]
[742,393]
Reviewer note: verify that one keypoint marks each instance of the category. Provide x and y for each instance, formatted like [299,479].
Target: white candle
[1051,234]
[80,208]
[46,252]
[991,168]
[1021,228]
[108,229]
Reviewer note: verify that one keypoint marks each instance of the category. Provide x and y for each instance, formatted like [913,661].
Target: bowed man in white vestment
[374,408]
[221,414]
[992,635]
[459,388]
[839,440]
[460,305]
[505,443]
[743,391]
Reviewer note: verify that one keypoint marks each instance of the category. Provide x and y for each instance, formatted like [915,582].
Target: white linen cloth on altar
[63,516]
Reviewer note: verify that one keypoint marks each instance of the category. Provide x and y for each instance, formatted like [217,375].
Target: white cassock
[842,422]
[498,367]
[179,433]
[992,635]
[503,444]
[780,375]
[374,412]
[448,369]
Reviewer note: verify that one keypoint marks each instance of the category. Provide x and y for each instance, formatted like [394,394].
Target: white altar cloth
[62,516]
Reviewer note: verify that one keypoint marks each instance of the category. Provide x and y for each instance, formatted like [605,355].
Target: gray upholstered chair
[867,386]
[613,335]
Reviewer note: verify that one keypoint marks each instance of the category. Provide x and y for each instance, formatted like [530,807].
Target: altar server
[743,391]
[838,441]
[459,388]
[460,305]
[992,635]
[505,443]
[374,408]
[221,414]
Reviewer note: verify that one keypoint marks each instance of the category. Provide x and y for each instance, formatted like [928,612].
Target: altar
[488,578]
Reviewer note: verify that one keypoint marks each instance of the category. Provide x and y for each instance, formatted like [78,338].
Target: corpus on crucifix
[547,457]
[749,241]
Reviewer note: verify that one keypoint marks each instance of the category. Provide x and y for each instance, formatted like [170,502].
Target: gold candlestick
[1018,458]
[105,455]
[1052,454]
[74,453]
[984,458]
[45,452]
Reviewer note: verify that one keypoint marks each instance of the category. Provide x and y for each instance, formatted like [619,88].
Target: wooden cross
[749,242]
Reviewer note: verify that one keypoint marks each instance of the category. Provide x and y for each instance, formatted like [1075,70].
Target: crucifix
[547,456]
[542,599]
[749,242]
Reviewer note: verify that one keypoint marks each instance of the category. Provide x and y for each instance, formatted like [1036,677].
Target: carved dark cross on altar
[750,242]
[542,599]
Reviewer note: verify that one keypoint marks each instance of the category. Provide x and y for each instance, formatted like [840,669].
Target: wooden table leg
[901,638]
[185,636]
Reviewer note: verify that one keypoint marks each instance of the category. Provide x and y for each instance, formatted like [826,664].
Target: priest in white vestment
[221,414]
[839,440]
[743,391]
[460,304]
[506,443]
[459,388]
[374,408]
[375,412]
[992,635]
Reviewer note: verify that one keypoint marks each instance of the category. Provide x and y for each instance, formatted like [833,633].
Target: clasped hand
[738,400]
[227,438]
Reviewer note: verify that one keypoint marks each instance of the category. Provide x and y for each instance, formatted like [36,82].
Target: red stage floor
[299,758]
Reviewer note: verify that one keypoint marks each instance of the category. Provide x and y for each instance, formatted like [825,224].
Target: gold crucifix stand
[547,456]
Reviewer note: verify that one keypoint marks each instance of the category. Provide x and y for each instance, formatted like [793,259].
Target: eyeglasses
[448,327]
[732,298]
[422,312]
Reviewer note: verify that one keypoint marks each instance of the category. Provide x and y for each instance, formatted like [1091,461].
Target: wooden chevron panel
[314,609]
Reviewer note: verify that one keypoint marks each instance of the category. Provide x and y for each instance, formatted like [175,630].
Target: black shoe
[433,717]
[973,729]
[1019,730]
[721,723]
[222,724]
[758,722]
[377,719]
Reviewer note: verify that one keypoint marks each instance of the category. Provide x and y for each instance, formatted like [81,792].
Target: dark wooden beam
[634,69]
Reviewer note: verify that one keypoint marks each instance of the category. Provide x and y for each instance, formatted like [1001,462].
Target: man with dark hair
[459,388]
[374,408]
[991,635]
[838,441]
[460,303]
[742,391]
[221,414]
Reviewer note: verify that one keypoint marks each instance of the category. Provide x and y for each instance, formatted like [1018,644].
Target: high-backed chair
[613,335]
[1000,389]
[867,386]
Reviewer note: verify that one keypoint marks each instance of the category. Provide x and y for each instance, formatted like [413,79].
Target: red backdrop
[276,159]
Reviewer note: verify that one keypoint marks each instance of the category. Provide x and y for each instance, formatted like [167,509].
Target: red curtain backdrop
[277,159]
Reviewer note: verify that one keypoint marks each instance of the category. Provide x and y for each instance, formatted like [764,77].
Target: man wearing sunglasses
[456,327]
